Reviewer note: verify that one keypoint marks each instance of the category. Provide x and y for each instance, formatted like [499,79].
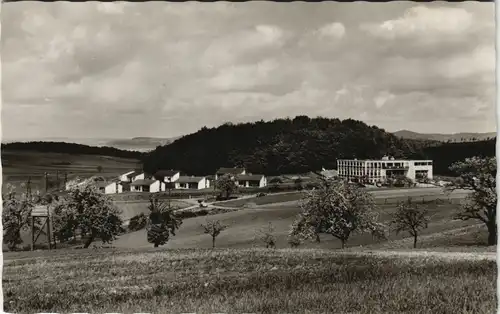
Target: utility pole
[28,188]
[46,182]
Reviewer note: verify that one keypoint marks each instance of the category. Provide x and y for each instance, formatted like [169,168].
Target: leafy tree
[163,222]
[87,210]
[478,174]
[339,209]
[267,236]
[410,217]
[16,213]
[226,186]
[213,228]
[99,168]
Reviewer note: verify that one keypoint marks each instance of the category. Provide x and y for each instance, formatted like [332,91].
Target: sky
[118,70]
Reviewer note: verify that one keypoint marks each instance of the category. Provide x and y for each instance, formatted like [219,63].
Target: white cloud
[244,76]
[421,21]
[111,7]
[192,64]
[480,62]
[382,98]
[335,30]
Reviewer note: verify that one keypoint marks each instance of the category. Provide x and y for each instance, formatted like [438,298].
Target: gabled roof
[127,173]
[103,184]
[230,170]
[187,179]
[142,182]
[166,173]
[133,174]
[249,177]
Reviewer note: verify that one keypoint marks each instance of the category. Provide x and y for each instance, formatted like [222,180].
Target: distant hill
[142,144]
[70,148]
[457,137]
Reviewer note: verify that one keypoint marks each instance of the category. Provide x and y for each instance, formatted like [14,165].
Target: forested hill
[71,148]
[281,146]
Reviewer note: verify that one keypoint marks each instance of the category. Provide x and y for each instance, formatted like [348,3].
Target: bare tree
[410,217]
[213,228]
[266,235]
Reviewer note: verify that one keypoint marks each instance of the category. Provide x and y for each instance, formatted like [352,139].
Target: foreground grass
[243,281]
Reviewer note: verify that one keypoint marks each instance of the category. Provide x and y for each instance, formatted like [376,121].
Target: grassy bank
[239,281]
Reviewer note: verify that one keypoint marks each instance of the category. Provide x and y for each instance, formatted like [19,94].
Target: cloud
[382,98]
[170,68]
[423,21]
[334,30]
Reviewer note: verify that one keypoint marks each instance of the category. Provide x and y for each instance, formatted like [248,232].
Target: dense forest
[447,153]
[71,148]
[282,146]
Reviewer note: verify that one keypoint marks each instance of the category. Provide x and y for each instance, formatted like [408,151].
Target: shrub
[138,222]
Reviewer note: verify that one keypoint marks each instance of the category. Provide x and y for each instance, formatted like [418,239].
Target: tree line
[71,148]
[300,145]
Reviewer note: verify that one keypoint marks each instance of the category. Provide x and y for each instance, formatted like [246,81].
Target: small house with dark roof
[231,171]
[109,186]
[251,180]
[145,185]
[125,177]
[167,175]
[191,182]
[132,176]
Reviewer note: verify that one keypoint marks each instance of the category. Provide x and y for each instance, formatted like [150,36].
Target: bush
[138,222]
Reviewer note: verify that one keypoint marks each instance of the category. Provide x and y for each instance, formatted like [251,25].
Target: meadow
[244,281]
[245,225]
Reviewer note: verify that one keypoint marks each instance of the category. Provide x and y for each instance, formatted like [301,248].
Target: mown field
[244,281]
[18,166]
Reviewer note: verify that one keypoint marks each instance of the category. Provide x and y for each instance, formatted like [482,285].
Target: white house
[109,187]
[126,177]
[195,183]
[378,170]
[138,176]
[251,180]
[142,185]
[231,171]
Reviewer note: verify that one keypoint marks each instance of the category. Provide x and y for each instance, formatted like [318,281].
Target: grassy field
[17,167]
[383,196]
[244,227]
[244,281]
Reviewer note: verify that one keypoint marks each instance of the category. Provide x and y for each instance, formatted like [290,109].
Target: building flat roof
[378,160]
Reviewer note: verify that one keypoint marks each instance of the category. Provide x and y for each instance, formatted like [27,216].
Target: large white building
[374,171]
